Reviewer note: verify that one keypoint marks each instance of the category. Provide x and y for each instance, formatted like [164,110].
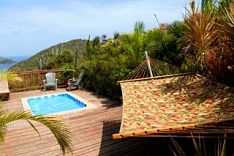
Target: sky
[29,26]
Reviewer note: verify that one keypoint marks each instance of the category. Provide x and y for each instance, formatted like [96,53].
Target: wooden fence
[33,80]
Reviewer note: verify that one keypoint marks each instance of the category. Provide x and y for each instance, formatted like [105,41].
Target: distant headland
[4,60]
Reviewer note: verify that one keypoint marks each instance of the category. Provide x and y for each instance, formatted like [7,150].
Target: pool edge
[89,106]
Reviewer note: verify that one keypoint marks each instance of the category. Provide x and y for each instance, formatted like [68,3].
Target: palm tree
[57,127]
[208,6]
[214,6]
[139,27]
[134,44]
[116,36]
[90,49]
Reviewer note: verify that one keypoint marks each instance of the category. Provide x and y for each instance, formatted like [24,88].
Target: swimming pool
[53,104]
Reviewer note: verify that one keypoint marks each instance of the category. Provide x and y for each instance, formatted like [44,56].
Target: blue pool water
[54,104]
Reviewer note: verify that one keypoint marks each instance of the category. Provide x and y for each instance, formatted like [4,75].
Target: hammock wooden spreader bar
[190,136]
[175,104]
[207,128]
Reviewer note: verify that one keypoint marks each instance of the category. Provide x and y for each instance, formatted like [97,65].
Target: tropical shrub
[57,60]
[109,61]
[177,28]
[163,46]
[201,34]
[68,72]
[209,38]
[133,44]
[103,72]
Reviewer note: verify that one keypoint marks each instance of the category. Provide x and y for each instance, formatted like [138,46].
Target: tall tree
[139,27]
[134,44]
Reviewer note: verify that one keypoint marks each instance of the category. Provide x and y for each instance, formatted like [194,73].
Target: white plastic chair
[50,81]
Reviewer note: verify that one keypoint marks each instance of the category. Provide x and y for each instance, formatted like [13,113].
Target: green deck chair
[73,84]
[50,81]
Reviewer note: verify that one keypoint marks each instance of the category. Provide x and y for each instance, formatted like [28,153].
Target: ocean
[16,59]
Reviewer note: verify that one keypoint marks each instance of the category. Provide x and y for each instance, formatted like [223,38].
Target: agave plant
[57,127]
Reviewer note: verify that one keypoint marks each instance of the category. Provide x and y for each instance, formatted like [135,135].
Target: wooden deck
[91,131]
[4,90]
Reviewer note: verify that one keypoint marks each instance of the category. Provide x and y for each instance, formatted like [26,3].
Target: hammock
[175,104]
[157,67]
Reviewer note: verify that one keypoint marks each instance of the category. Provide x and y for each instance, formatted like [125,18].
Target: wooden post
[148,64]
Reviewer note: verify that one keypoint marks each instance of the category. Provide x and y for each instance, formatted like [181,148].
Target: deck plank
[91,130]
[4,90]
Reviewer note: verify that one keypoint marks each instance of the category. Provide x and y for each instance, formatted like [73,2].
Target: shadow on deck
[91,132]
[130,146]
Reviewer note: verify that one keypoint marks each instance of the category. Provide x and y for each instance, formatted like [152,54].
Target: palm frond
[2,133]
[31,124]
[57,127]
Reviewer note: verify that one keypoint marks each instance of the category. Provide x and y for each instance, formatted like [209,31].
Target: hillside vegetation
[202,43]
[54,57]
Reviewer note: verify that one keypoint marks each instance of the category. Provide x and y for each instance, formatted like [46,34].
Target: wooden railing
[33,80]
